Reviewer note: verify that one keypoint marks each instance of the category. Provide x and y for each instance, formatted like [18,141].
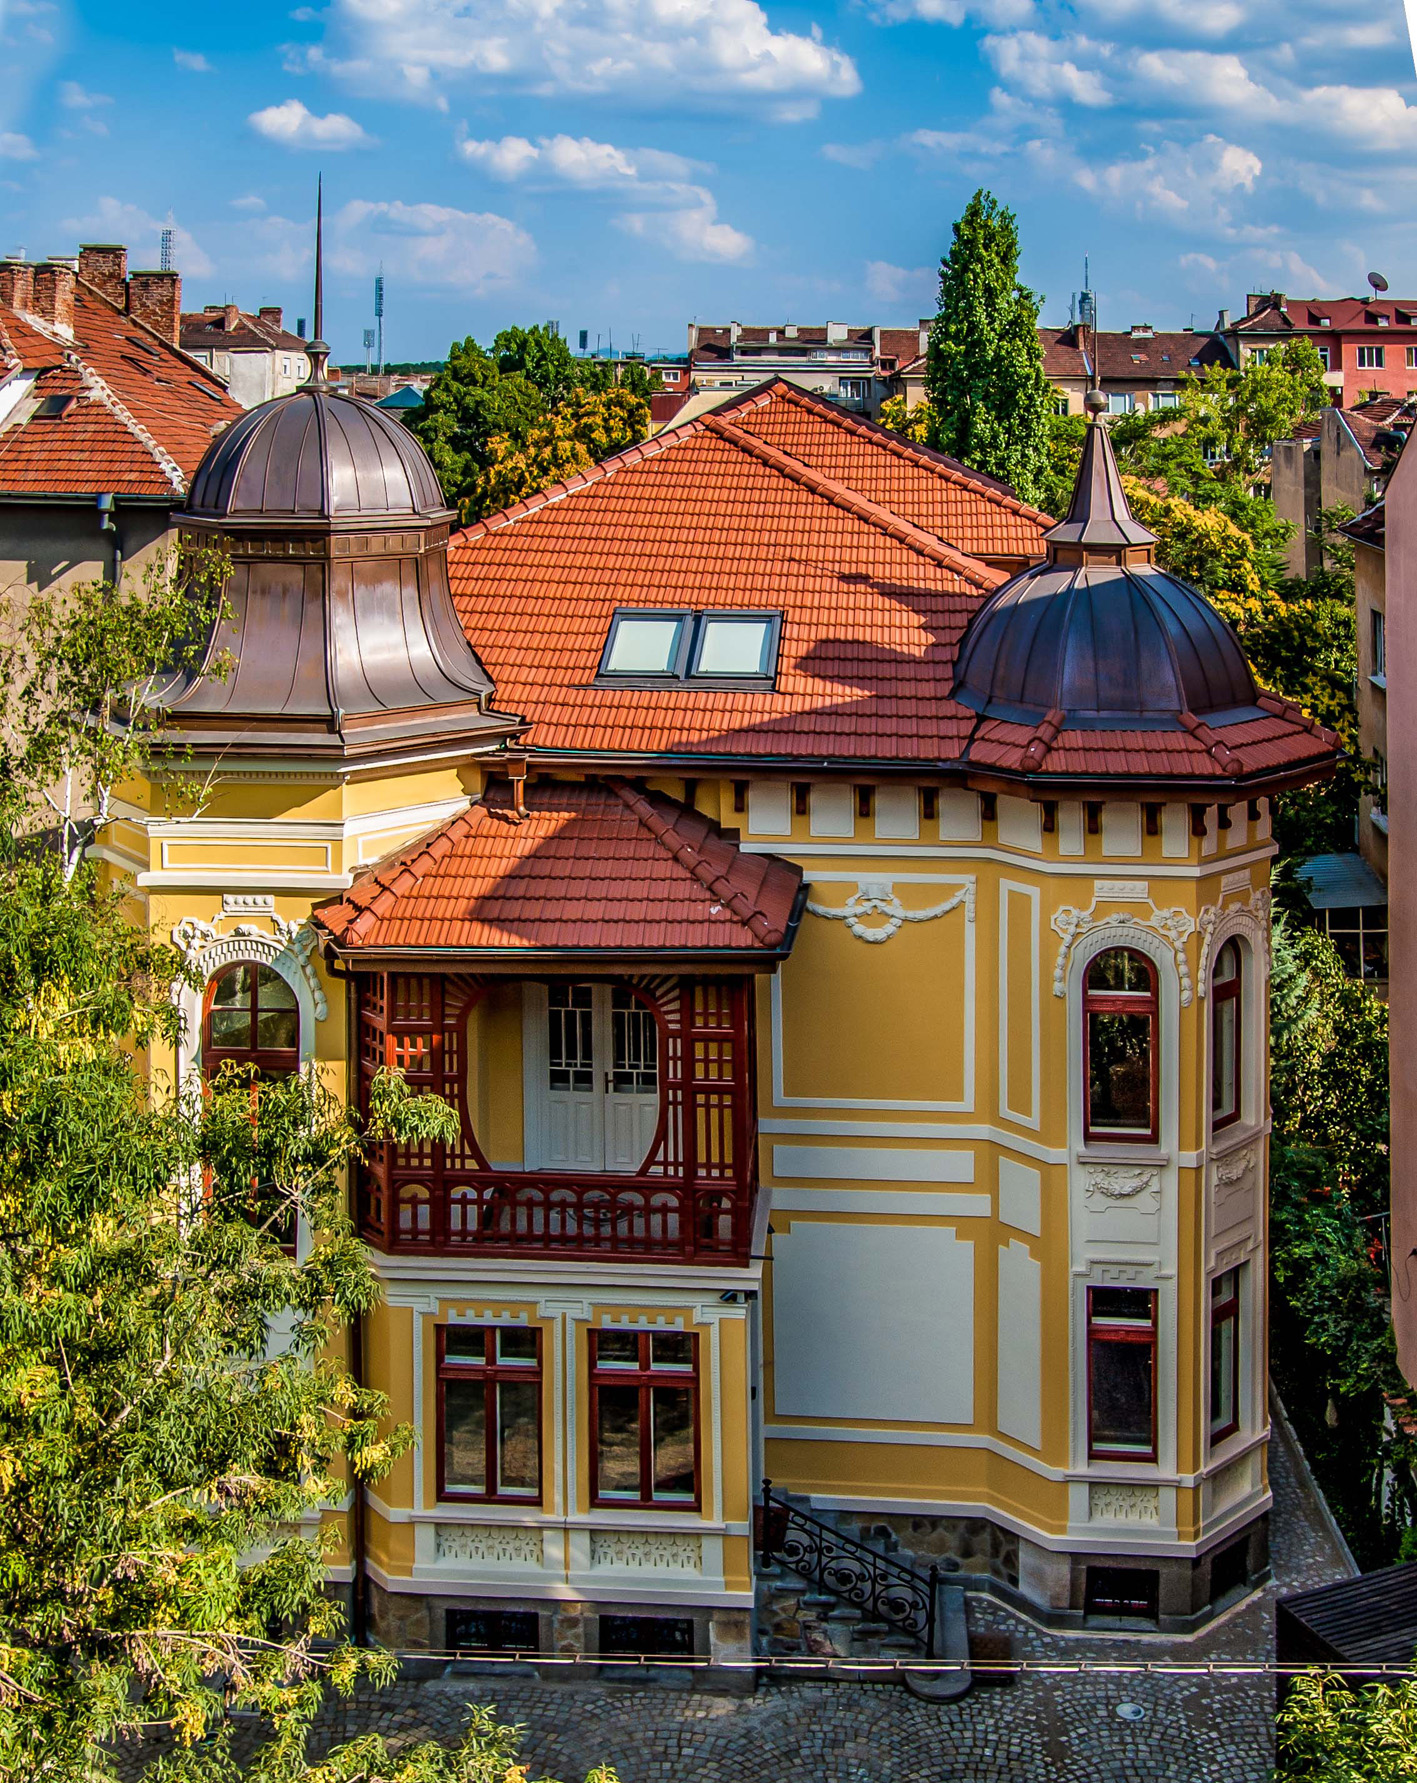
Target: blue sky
[628,165]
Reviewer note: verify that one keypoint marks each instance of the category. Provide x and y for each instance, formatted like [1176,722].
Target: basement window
[725,649]
[51,408]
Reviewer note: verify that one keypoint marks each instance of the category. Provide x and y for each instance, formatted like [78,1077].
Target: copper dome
[1097,632]
[316,455]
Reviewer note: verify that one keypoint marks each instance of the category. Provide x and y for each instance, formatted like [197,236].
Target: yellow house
[836,899]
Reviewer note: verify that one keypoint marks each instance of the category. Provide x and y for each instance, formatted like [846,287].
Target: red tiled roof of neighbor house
[142,416]
[222,328]
[1271,312]
[1143,357]
[596,865]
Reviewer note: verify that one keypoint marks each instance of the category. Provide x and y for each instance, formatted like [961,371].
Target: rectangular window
[1120,1061]
[492,1631]
[660,1637]
[731,645]
[676,646]
[1225,1355]
[1121,1374]
[1259,355]
[644,644]
[644,1394]
[1378,635]
[1412,359]
[489,1412]
[1121,1591]
[1324,353]
[1359,933]
[570,1036]
[1225,988]
[1168,399]
[1120,402]
[1370,358]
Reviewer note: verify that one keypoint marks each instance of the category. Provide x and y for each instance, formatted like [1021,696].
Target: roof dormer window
[652,645]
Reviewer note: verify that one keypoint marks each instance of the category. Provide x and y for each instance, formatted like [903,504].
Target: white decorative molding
[1252,916]
[636,1550]
[1235,1166]
[1121,1182]
[1116,1502]
[1175,926]
[876,897]
[248,904]
[204,947]
[490,1544]
[1121,891]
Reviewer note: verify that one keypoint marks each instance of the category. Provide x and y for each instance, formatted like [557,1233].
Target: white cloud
[113,220]
[860,155]
[192,60]
[955,12]
[1044,67]
[295,127]
[894,284]
[1196,18]
[1199,80]
[693,233]
[15,147]
[251,202]
[73,97]
[1182,184]
[468,251]
[722,51]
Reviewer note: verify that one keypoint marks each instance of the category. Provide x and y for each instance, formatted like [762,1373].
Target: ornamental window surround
[1226,1037]
[1121,1048]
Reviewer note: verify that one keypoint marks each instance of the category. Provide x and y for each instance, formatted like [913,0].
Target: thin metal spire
[319,352]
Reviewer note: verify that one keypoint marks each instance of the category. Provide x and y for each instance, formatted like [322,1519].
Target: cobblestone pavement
[1044,1729]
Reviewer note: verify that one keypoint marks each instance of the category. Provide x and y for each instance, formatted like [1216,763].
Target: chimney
[271,313]
[693,335]
[156,298]
[1222,321]
[733,332]
[54,294]
[104,265]
[17,284]
[1256,301]
[230,317]
[924,337]
[836,333]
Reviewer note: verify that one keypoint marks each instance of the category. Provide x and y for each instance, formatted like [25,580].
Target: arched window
[1225,1089]
[1120,1046]
[250,1017]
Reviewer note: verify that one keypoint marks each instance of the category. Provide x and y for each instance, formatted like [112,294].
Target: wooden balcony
[691,1199]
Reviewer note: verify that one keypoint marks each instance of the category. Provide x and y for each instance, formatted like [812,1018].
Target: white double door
[592,1077]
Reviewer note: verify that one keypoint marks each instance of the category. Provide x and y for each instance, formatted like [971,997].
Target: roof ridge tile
[105,394]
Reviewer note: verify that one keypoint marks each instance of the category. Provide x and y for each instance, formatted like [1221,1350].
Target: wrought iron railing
[886,1589]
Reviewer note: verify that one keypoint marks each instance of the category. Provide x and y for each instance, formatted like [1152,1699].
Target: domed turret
[1097,632]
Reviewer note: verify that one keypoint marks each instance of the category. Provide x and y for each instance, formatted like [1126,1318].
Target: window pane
[734,646]
[515,1344]
[673,1413]
[1119,1072]
[464,1343]
[1227,966]
[618,1442]
[234,986]
[571,1038]
[518,1437]
[231,1027]
[1223,1086]
[1129,1306]
[617,1349]
[272,992]
[1121,1394]
[278,1029]
[636,1043]
[1119,970]
[671,1349]
[465,1435]
[1222,1373]
[644,646]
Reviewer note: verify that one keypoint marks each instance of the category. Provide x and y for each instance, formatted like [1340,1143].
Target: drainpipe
[108,524]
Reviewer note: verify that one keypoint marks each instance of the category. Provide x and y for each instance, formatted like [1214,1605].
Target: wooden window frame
[645,1378]
[1220,1312]
[1110,1333]
[1221,993]
[265,1058]
[492,1374]
[1147,1003]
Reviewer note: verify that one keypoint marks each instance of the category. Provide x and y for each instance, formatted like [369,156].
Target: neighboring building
[102,417]
[850,966]
[1368,345]
[853,366]
[1141,369]
[1334,461]
[256,356]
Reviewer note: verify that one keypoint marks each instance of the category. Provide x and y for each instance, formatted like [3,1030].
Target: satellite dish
[1377,281]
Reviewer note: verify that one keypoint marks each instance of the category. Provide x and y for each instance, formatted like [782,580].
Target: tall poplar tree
[989,398]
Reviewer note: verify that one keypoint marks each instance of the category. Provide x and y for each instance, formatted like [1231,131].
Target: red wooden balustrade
[691,1199]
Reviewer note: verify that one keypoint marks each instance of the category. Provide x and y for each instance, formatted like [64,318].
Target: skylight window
[690,647]
[51,408]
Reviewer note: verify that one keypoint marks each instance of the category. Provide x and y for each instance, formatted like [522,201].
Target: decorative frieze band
[876,898]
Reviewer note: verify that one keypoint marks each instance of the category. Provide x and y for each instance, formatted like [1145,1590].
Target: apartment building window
[1120,402]
[1370,358]
[1224,1355]
[644,1393]
[1121,1374]
[1378,637]
[1225,987]
[1325,352]
[1120,1014]
[1359,935]
[1412,359]
[855,390]
[1168,399]
[1259,355]
[1060,405]
[489,1413]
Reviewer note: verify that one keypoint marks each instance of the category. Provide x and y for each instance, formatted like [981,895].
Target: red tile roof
[1141,358]
[1274,313]
[596,865]
[206,331]
[145,413]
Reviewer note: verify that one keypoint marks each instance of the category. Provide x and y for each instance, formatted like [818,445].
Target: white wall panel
[1020,1412]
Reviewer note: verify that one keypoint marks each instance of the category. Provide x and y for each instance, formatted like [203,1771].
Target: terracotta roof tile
[593,865]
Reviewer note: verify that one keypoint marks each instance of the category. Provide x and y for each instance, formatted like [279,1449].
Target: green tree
[912,424]
[468,405]
[1331,1734]
[542,357]
[1237,415]
[587,427]
[984,374]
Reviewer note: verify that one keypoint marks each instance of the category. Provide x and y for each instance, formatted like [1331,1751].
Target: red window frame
[492,1374]
[645,1376]
[275,1060]
[1225,1311]
[1223,993]
[1110,1332]
[1100,1002]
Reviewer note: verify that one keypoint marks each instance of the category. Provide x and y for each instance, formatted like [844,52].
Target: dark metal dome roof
[1097,633]
[315,455]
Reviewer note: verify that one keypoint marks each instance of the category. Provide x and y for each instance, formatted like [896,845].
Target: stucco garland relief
[646,1551]
[205,947]
[876,897]
[1121,1182]
[491,1544]
[1115,1502]
[1175,926]
[1235,1168]
[1254,915]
